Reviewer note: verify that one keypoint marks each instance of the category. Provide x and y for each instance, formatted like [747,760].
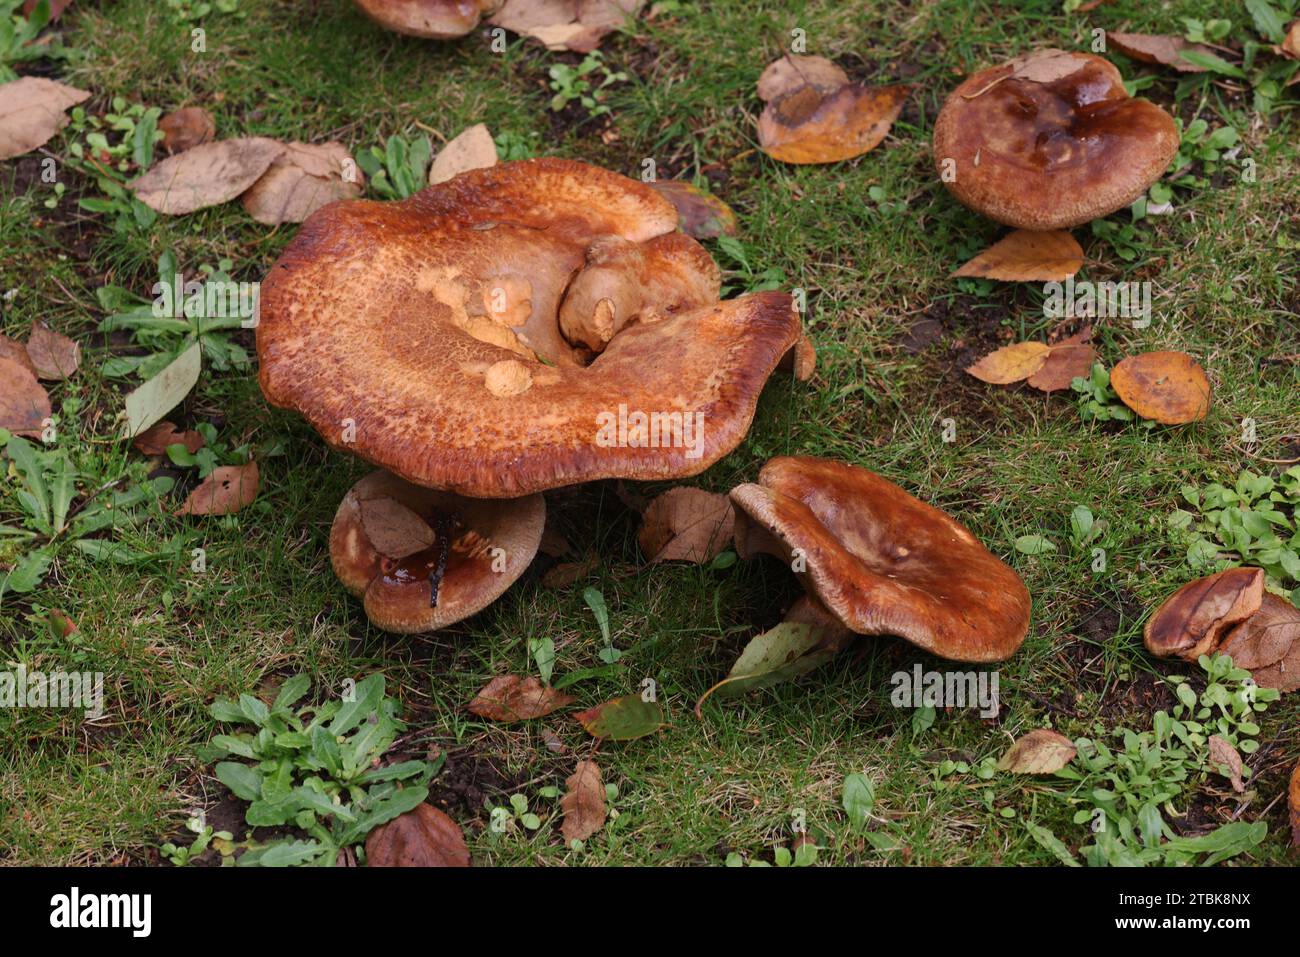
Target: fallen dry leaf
[186,128]
[1166,387]
[566,573]
[583,802]
[1227,761]
[1039,752]
[394,529]
[472,148]
[808,126]
[509,698]
[1028,256]
[24,403]
[228,489]
[1010,363]
[790,72]
[577,25]
[625,718]
[423,837]
[206,175]
[1291,42]
[155,439]
[1157,48]
[686,525]
[1041,66]
[53,355]
[1284,675]
[1065,363]
[17,352]
[56,8]
[699,214]
[31,112]
[302,179]
[1194,620]
[1266,637]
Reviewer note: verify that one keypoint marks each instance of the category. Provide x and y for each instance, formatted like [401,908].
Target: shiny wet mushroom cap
[1195,619]
[882,561]
[432,19]
[518,328]
[1050,141]
[422,559]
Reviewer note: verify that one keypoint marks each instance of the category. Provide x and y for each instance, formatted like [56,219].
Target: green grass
[170,640]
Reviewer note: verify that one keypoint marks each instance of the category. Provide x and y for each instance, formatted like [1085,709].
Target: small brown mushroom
[422,559]
[1050,141]
[1194,620]
[522,327]
[432,19]
[881,561]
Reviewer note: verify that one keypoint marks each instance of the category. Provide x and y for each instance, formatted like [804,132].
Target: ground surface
[1225,271]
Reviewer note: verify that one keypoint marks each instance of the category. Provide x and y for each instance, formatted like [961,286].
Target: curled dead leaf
[206,175]
[509,698]
[1039,752]
[473,148]
[15,351]
[1291,42]
[792,71]
[1266,637]
[583,802]
[1025,255]
[186,128]
[300,181]
[1193,620]
[24,403]
[155,439]
[809,126]
[577,25]
[1010,363]
[1226,760]
[1157,48]
[394,529]
[1166,387]
[53,355]
[423,837]
[1065,363]
[228,489]
[32,111]
[686,525]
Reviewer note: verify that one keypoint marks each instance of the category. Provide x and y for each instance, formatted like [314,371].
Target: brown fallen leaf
[1091,5]
[1166,387]
[394,529]
[304,178]
[1266,637]
[686,524]
[553,742]
[53,355]
[792,71]
[577,25]
[1226,761]
[553,542]
[32,111]
[1028,256]
[186,128]
[1284,674]
[1039,752]
[155,439]
[1157,48]
[808,126]
[583,802]
[1291,42]
[228,489]
[24,403]
[1065,363]
[472,148]
[510,698]
[1295,806]
[423,837]
[206,175]
[699,214]
[56,8]
[1194,620]
[17,352]
[1010,363]
[1042,66]
[566,573]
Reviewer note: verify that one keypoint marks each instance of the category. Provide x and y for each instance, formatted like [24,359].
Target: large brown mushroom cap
[1050,141]
[391,541]
[426,336]
[883,562]
[432,19]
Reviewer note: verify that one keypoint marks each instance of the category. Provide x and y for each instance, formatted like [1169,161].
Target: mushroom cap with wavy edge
[428,336]
[431,19]
[389,537]
[1051,140]
[881,561]
[1195,619]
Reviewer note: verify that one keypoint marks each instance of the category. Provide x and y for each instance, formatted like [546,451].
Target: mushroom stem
[807,610]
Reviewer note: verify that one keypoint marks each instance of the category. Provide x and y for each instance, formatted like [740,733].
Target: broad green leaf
[244,782]
[147,404]
[291,692]
[363,701]
[779,654]
[1051,843]
[623,719]
[858,799]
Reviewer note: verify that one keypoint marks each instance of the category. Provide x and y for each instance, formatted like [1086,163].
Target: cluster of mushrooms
[468,339]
